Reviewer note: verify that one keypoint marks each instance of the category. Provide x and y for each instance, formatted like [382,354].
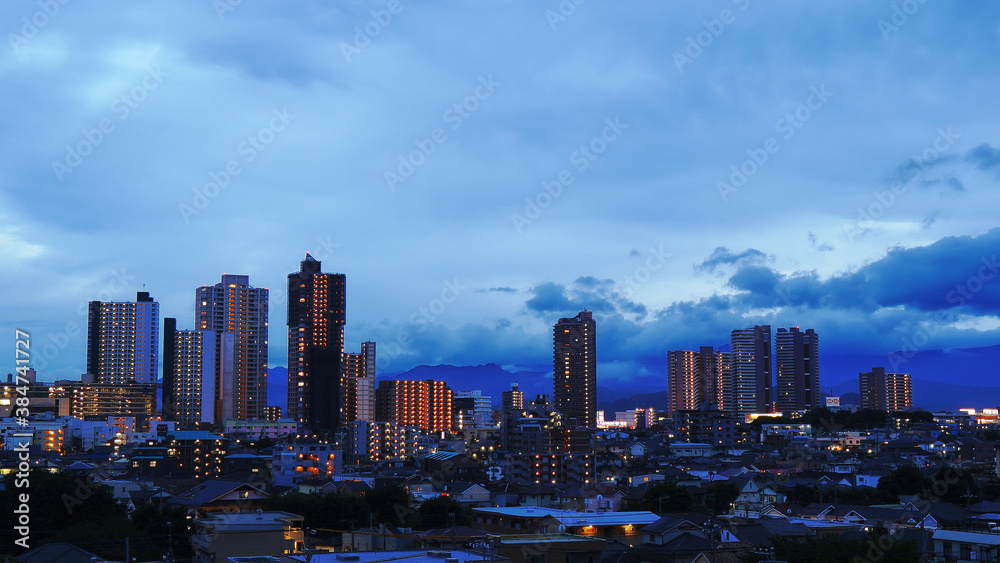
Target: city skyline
[841,182]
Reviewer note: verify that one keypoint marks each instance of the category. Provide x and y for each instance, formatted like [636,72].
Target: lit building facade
[695,379]
[99,400]
[574,369]
[189,374]
[423,404]
[885,391]
[123,340]
[472,410]
[236,312]
[359,384]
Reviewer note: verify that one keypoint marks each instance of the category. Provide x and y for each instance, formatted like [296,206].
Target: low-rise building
[219,536]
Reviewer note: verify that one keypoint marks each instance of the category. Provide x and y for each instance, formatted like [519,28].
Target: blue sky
[479,171]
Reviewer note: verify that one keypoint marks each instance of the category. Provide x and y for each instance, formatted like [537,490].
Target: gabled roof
[57,553]
[208,491]
[354,486]
[461,487]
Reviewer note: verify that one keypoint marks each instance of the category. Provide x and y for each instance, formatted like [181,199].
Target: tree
[916,416]
[69,507]
[437,513]
[723,496]
[802,495]
[877,546]
[331,511]
[388,502]
[666,496]
[952,484]
[907,480]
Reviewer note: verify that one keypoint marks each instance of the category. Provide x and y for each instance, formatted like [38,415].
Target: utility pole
[170,542]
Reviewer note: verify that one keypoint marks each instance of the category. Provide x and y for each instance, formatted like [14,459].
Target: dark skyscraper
[796,357]
[317,304]
[167,398]
[574,370]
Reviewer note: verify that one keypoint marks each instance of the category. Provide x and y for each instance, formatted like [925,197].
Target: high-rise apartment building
[682,381]
[885,391]
[574,370]
[423,404]
[750,371]
[236,312]
[189,373]
[695,379]
[359,384]
[317,311]
[472,409]
[512,399]
[123,341]
[796,361]
[511,407]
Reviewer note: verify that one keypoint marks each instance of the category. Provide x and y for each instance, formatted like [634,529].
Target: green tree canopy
[666,496]
[907,480]
[437,513]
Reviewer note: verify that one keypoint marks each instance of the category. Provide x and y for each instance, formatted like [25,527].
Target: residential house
[220,536]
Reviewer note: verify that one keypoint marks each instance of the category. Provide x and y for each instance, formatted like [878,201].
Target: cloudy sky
[479,170]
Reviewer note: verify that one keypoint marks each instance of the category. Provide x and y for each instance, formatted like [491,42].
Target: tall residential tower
[237,315]
[696,379]
[749,376]
[317,304]
[359,384]
[885,391]
[123,341]
[796,361]
[574,370]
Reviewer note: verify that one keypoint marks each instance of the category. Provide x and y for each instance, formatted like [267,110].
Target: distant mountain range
[942,380]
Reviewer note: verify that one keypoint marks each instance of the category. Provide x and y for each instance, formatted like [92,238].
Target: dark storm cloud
[722,256]
[984,156]
[509,290]
[954,271]
[587,292]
